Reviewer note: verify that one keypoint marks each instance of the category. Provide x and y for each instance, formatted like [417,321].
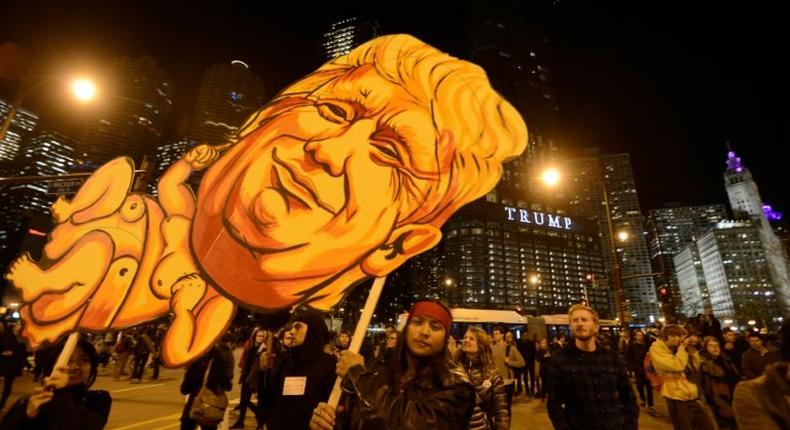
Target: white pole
[68,349]
[359,332]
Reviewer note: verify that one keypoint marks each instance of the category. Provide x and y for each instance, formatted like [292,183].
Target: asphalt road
[157,405]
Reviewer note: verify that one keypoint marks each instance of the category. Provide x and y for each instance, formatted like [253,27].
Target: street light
[622,235]
[551,176]
[83,89]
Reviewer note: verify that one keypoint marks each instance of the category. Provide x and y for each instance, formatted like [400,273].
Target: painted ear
[404,243]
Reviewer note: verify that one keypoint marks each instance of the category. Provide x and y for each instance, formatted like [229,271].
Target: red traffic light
[663,291]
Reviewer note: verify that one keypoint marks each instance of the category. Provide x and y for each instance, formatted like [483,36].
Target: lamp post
[83,90]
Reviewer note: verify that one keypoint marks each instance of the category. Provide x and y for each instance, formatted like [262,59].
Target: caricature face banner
[343,176]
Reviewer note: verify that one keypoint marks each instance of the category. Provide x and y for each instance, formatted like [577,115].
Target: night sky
[666,82]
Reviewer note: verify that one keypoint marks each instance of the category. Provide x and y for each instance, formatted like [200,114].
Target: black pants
[689,415]
[529,378]
[186,422]
[517,373]
[139,365]
[8,382]
[643,387]
[246,402]
[509,388]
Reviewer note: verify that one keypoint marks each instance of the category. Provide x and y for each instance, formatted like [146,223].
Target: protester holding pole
[418,389]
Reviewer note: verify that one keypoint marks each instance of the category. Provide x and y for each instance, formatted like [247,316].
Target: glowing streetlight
[550,176]
[448,282]
[622,236]
[83,89]
[533,279]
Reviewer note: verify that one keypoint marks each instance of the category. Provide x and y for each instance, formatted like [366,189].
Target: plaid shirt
[590,390]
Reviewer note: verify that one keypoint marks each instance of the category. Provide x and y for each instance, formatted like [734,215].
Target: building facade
[690,278]
[131,112]
[747,204]
[46,154]
[737,274]
[229,93]
[345,35]
[22,124]
[496,256]
[593,178]
[670,231]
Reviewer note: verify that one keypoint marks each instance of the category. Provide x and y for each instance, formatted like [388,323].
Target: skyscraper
[737,274]
[670,230]
[589,177]
[508,40]
[746,204]
[229,93]
[136,100]
[345,35]
[496,256]
[693,297]
[46,154]
[22,124]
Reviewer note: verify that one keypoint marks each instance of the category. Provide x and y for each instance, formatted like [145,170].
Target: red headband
[433,310]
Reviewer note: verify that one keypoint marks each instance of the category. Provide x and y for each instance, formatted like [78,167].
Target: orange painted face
[313,197]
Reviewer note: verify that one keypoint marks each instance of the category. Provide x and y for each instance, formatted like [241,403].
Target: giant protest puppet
[341,177]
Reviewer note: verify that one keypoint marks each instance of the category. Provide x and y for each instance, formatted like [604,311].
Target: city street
[156,405]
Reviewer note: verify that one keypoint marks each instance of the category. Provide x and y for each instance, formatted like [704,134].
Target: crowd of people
[424,377]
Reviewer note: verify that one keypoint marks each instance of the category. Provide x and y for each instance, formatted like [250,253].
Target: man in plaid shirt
[588,387]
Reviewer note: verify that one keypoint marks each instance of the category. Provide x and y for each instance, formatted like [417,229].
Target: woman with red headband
[418,389]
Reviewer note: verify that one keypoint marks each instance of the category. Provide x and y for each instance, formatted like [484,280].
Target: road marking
[142,423]
[137,388]
[169,417]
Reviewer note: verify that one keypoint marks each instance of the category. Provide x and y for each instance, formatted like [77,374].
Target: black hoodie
[308,360]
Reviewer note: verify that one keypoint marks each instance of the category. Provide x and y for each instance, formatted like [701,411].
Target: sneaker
[134,381]
[651,410]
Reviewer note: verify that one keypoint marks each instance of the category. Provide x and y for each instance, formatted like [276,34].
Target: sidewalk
[531,414]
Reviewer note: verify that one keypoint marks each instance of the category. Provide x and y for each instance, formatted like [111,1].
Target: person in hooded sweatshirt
[301,377]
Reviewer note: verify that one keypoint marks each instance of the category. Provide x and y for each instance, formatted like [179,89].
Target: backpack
[656,380]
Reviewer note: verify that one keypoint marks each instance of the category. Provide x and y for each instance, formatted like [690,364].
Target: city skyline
[695,147]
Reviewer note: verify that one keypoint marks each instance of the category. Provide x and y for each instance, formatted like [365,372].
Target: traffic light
[663,293]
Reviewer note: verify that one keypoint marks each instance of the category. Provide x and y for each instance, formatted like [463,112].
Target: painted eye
[334,113]
[387,151]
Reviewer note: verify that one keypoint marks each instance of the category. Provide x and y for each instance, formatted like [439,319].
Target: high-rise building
[497,256]
[670,230]
[46,154]
[690,279]
[590,178]
[22,124]
[508,39]
[737,274]
[229,93]
[746,204]
[136,100]
[345,35]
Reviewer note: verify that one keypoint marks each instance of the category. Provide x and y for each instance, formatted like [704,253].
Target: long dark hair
[436,367]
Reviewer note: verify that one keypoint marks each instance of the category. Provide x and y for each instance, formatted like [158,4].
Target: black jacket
[13,355]
[635,356]
[220,376]
[309,361]
[372,402]
[71,408]
[590,390]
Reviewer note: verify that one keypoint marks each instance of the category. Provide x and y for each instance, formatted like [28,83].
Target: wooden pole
[359,332]
[68,349]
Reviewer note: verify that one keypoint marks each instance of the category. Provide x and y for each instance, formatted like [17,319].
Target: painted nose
[333,152]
